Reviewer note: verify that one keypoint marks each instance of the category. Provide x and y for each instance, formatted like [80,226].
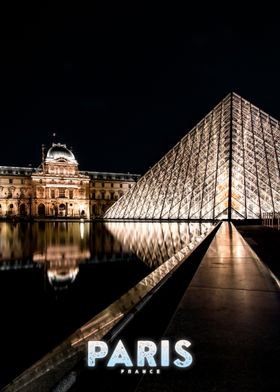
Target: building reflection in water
[60,247]
[107,270]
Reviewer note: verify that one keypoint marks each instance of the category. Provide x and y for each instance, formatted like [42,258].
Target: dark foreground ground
[235,350]
[265,241]
[150,323]
[229,333]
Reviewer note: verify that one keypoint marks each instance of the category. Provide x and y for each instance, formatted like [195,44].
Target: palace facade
[57,188]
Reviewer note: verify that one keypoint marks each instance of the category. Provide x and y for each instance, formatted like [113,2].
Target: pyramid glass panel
[226,167]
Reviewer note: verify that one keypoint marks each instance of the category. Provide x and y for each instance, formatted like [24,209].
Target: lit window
[61,192]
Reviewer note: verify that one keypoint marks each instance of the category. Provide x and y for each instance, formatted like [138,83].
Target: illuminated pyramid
[226,167]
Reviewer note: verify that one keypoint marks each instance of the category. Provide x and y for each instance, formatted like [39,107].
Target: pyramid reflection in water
[156,242]
[226,167]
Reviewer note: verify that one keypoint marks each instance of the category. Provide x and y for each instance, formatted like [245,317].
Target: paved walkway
[231,314]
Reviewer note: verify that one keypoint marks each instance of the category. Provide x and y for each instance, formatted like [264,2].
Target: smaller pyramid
[226,167]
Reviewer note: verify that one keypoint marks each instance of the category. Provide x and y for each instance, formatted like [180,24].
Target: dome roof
[62,278]
[60,151]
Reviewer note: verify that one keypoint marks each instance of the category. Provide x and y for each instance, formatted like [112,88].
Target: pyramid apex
[226,167]
[231,94]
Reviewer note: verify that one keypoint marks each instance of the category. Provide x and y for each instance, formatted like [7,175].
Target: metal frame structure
[226,167]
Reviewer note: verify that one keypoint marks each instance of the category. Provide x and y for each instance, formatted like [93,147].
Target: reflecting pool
[55,276]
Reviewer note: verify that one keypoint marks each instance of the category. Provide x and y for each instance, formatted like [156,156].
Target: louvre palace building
[57,188]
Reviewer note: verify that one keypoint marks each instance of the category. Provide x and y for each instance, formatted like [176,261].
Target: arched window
[10,191]
[22,209]
[41,209]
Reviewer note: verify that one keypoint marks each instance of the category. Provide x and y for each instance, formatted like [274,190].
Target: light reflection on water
[62,246]
[156,242]
[59,247]
[95,264]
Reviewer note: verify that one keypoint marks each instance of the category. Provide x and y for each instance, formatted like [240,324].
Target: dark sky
[123,84]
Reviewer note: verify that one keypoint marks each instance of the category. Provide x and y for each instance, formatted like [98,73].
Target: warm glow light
[156,242]
[82,230]
[225,167]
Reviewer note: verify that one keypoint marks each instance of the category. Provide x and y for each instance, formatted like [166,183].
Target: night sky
[122,85]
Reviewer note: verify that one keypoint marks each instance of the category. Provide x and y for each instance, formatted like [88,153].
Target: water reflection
[156,242]
[60,247]
[152,241]
[106,268]
[62,263]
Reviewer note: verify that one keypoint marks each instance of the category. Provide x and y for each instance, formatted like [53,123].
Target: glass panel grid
[230,160]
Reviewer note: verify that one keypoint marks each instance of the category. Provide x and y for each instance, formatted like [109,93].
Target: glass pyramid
[226,167]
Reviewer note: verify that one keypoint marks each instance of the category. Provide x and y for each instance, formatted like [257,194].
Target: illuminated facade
[57,188]
[226,167]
